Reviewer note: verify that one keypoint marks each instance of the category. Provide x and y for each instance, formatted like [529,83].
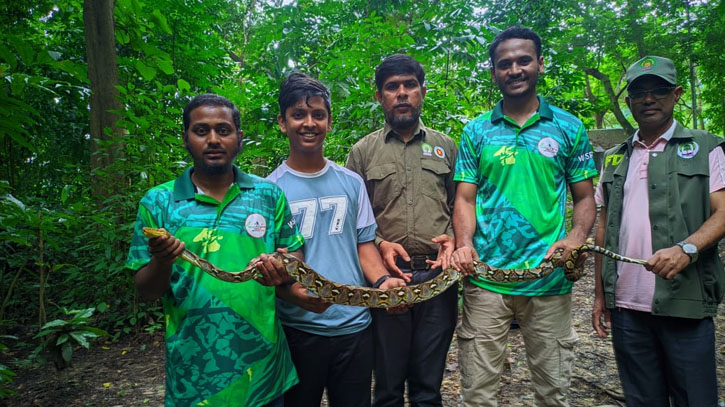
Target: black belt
[417,262]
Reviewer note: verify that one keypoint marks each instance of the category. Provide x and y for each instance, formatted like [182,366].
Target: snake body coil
[378,298]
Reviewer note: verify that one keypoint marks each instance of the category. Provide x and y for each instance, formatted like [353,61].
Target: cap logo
[647,64]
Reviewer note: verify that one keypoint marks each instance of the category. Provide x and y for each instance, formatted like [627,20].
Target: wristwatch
[690,250]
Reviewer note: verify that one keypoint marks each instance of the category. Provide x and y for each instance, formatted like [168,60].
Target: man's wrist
[378,241]
[577,235]
[381,280]
[287,283]
[689,249]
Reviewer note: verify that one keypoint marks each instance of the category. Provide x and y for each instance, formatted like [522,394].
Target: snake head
[154,232]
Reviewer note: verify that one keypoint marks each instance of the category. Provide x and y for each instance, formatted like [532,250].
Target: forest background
[92,94]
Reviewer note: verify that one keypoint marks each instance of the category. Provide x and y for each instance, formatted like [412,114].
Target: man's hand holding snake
[165,249]
[462,260]
[666,263]
[566,245]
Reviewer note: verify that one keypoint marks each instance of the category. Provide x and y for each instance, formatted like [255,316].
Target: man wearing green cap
[662,197]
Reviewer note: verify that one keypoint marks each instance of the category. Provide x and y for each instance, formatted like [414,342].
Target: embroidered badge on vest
[688,150]
[439,152]
[427,149]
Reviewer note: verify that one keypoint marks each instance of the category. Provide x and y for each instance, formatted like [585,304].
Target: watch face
[689,248]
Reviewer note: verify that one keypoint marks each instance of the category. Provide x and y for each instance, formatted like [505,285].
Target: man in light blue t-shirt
[331,345]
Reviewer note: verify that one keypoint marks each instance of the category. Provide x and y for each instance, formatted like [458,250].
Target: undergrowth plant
[62,335]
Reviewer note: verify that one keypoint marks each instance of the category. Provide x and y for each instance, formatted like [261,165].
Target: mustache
[214,151]
[516,79]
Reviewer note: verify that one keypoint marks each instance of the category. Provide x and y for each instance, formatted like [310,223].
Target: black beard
[402,122]
[202,167]
[211,169]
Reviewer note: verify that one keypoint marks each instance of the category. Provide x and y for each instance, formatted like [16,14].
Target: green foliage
[171,50]
[6,375]
[64,334]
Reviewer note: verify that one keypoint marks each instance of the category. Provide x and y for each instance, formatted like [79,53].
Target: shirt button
[654,154]
[410,202]
[654,227]
[407,168]
[654,186]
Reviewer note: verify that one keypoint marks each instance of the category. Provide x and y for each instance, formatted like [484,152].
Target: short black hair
[515,32]
[398,64]
[298,86]
[210,99]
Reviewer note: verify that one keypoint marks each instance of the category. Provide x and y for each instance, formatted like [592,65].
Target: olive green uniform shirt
[410,185]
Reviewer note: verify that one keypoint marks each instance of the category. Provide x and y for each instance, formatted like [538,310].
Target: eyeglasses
[657,93]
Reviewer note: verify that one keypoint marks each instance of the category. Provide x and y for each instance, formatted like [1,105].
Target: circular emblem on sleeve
[548,147]
[427,149]
[256,225]
[439,152]
[688,150]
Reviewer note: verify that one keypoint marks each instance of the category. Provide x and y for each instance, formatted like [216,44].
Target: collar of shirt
[545,111]
[389,131]
[666,136]
[185,189]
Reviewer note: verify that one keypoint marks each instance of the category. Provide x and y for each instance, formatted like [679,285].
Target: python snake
[344,294]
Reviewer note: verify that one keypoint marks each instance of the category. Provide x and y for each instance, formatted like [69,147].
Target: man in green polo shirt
[514,165]
[224,342]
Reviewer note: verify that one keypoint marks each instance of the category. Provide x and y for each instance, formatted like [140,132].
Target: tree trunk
[598,114]
[42,319]
[103,74]
[614,103]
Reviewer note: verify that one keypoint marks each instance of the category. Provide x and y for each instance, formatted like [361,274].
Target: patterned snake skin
[378,298]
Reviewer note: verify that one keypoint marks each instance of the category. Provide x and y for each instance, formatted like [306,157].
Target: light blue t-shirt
[333,213]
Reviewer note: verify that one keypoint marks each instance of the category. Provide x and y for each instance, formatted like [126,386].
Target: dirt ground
[130,372]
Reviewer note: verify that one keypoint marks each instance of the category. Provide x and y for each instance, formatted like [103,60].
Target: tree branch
[613,101]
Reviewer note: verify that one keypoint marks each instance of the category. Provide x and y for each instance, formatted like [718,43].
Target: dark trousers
[278,402]
[342,364]
[662,358]
[414,346]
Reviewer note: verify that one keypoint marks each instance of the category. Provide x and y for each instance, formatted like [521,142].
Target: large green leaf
[147,72]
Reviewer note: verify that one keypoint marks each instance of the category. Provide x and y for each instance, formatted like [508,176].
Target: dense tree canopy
[64,240]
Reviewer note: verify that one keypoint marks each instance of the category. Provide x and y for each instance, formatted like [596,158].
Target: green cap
[651,65]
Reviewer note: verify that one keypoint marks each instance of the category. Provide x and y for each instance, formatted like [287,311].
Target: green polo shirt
[224,343]
[521,174]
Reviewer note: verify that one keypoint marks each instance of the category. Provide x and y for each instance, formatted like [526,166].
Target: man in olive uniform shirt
[408,173]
